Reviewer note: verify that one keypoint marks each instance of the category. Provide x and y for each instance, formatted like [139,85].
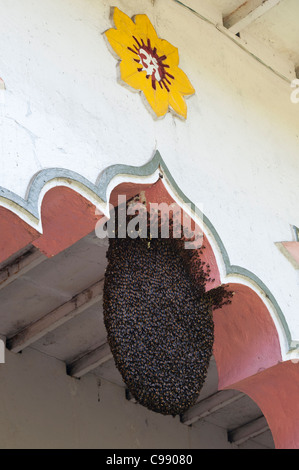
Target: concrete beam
[247,13]
[210,405]
[202,8]
[20,266]
[49,322]
[248,431]
[90,361]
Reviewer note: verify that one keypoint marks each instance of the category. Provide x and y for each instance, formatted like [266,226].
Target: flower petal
[177,102]
[118,41]
[182,82]
[123,22]
[158,99]
[130,74]
[145,29]
[165,48]
[126,41]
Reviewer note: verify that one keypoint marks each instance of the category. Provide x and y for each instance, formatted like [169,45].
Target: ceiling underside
[267,28]
[61,316]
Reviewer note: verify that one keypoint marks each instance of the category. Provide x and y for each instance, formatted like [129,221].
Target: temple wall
[236,155]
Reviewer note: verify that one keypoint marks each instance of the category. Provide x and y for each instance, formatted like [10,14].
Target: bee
[159,322]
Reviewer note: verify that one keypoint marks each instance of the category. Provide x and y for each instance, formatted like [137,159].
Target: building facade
[207,118]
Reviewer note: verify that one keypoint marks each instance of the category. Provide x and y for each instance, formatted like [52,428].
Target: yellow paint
[149,64]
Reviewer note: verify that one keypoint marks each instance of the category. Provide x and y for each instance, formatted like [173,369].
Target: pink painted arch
[247,347]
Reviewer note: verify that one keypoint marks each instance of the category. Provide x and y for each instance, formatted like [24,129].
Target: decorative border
[100,189]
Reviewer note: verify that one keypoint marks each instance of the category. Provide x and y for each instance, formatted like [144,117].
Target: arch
[246,340]
[251,335]
[98,194]
[275,390]
[15,233]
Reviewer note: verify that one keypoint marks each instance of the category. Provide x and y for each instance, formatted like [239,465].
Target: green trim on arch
[30,205]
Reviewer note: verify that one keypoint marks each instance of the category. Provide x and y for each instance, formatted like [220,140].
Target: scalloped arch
[253,345]
[29,210]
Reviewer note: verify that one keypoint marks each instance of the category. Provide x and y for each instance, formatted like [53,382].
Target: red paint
[293,249]
[246,347]
[127,189]
[151,63]
[157,193]
[246,340]
[275,390]
[14,232]
[66,218]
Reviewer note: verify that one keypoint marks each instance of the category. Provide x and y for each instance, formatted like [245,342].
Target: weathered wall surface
[236,155]
[42,407]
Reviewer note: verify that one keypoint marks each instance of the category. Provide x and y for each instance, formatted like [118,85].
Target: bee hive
[159,320]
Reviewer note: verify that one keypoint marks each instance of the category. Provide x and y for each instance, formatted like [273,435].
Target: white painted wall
[237,154]
[43,408]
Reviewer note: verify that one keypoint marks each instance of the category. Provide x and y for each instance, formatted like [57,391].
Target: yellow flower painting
[149,64]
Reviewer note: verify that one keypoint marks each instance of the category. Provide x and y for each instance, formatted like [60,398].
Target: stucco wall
[42,407]
[236,155]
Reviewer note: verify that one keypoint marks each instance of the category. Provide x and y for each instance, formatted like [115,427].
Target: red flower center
[152,64]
